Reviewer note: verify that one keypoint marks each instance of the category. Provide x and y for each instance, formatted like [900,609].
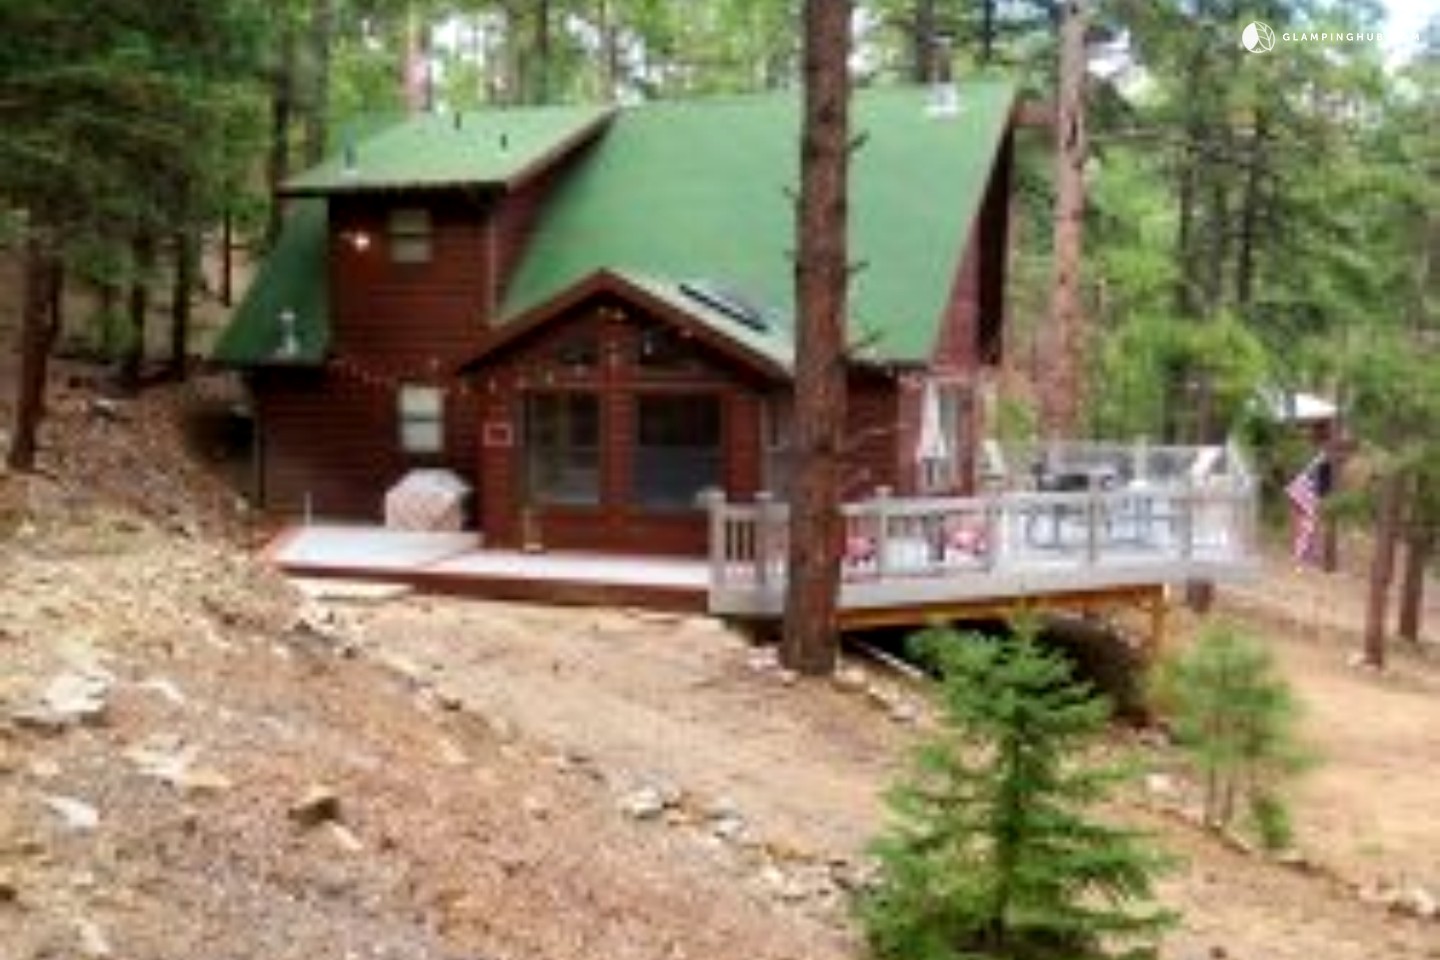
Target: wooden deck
[905,560]
[457,564]
[1161,517]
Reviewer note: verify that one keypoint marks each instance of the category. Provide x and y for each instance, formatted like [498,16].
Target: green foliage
[125,117]
[993,851]
[1234,716]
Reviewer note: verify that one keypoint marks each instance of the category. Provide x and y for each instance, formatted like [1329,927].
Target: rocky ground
[200,760]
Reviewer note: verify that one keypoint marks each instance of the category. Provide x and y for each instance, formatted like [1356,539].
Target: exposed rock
[1419,902]
[168,760]
[905,712]
[851,680]
[165,688]
[319,804]
[93,942]
[650,801]
[451,753]
[1161,786]
[345,838]
[763,660]
[730,827]
[74,814]
[69,698]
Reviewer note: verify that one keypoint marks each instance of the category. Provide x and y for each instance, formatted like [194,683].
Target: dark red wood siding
[329,441]
[410,319]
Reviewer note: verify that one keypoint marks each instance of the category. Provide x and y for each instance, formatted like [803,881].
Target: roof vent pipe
[350,164]
[289,336]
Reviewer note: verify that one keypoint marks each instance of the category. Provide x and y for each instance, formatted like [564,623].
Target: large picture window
[677,449]
[562,448]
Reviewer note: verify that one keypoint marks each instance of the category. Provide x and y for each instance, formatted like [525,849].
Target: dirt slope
[527,782]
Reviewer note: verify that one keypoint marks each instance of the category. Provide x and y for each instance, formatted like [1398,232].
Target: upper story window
[660,348]
[578,351]
[410,235]
[422,419]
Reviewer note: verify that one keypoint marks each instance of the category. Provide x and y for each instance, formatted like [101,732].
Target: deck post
[764,538]
[1187,521]
[994,528]
[880,505]
[713,499]
[1159,621]
[1092,523]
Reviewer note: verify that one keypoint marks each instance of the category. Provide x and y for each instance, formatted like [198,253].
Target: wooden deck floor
[457,564]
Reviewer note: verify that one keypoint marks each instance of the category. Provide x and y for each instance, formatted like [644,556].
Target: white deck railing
[899,551]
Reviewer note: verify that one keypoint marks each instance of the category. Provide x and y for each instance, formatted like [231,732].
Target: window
[662,349]
[677,449]
[422,419]
[410,235]
[942,438]
[562,448]
[578,351]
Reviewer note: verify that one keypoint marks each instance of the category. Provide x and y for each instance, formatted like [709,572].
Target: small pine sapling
[1234,716]
[993,850]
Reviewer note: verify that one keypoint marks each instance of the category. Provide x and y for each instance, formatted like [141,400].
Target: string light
[354,371]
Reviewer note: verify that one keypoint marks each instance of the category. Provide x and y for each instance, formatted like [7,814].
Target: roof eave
[608,281]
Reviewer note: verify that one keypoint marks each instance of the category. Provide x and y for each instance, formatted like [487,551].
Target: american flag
[1304,494]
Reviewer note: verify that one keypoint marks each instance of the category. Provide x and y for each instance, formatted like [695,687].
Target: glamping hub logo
[1257,37]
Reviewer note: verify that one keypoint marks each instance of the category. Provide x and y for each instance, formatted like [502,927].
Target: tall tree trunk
[922,42]
[1382,567]
[1419,542]
[227,258]
[810,641]
[987,31]
[132,359]
[608,27]
[180,303]
[417,85]
[1062,400]
[317,113]
[540,55]
[39,326]
[1249,216]
[282,116]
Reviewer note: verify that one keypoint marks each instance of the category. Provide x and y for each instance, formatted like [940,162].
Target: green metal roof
[291,278]
[676,193]
[702,190]
[449,150]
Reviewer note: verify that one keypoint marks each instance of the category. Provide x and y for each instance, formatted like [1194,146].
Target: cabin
[580,320]
[586,314]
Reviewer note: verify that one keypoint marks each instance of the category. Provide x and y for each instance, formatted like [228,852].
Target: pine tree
[1234,715]
[994,852]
